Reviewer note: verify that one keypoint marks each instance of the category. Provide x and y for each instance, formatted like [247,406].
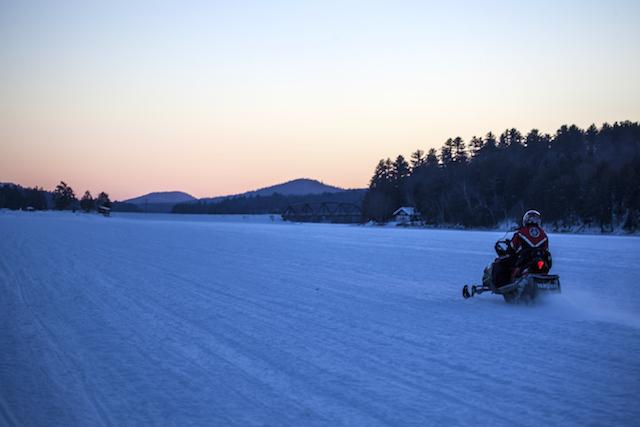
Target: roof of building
[408,210]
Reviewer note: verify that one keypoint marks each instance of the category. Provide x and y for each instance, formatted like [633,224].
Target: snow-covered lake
[182,320]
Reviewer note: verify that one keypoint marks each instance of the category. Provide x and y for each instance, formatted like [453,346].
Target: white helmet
[531,217]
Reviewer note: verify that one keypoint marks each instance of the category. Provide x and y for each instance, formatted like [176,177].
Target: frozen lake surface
[183,320]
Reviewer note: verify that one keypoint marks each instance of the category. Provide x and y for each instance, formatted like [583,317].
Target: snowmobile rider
[529,238]
[530,235]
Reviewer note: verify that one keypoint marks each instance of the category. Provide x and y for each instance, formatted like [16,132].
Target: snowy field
[179,320]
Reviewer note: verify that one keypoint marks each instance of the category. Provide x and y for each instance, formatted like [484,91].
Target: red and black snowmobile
[517,277]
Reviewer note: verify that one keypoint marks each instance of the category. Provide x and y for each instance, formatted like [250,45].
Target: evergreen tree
[489,146]
[432,157]
[459,151]
[388,167]
[379,175]
[400,169]
[417,159]
[381,199]
[476,145]
[446,153]
[63,196]
[504,139]
[87,203]
[103,200]
[515,137]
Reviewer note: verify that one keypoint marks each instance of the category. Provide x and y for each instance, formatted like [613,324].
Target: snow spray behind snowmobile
[518,278]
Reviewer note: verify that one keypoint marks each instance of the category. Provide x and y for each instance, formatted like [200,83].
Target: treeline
[274,204]
[63,197]
[575,177]
[15,197]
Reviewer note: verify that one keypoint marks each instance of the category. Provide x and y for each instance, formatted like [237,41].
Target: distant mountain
[161,197]
[296,187]
[166,201]
[160,201]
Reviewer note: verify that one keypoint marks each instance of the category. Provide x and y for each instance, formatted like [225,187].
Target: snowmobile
[531,277]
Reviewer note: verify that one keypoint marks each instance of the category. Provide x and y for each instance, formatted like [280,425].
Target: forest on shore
[272,204]
[575,177]
[63,197]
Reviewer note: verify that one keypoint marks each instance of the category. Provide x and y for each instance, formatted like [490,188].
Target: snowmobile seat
[501,271]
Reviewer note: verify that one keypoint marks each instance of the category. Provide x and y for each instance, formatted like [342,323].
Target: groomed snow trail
[176,320]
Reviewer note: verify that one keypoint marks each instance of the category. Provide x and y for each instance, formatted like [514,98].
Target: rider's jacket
[529,236]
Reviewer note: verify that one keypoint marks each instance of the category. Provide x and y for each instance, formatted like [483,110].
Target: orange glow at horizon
[221,99]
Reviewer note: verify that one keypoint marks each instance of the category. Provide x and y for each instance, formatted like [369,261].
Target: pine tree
[476,145]
[87,203]
[432,157]
[504,139]
[515,138]
[400,169]
[446,152]
[490,141]
[388,167]
[103,200]
[379,175]
[63,196]
[459,150]
[417,159]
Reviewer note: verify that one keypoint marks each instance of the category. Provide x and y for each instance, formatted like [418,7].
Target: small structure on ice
[104,210]
[406,215]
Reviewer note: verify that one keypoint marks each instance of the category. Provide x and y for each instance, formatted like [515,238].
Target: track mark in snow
[176,322]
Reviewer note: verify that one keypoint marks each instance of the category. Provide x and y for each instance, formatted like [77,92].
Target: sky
[217,98]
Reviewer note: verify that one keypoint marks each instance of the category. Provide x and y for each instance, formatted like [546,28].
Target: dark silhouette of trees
[63,196]
[477,144]
[10,196]
[87,203]
[386,198]
[417,159]
[432,157]
[273,204]
[446,153]
[16,197]
[103,200]
[35,198]
[575,177]
[459,151]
